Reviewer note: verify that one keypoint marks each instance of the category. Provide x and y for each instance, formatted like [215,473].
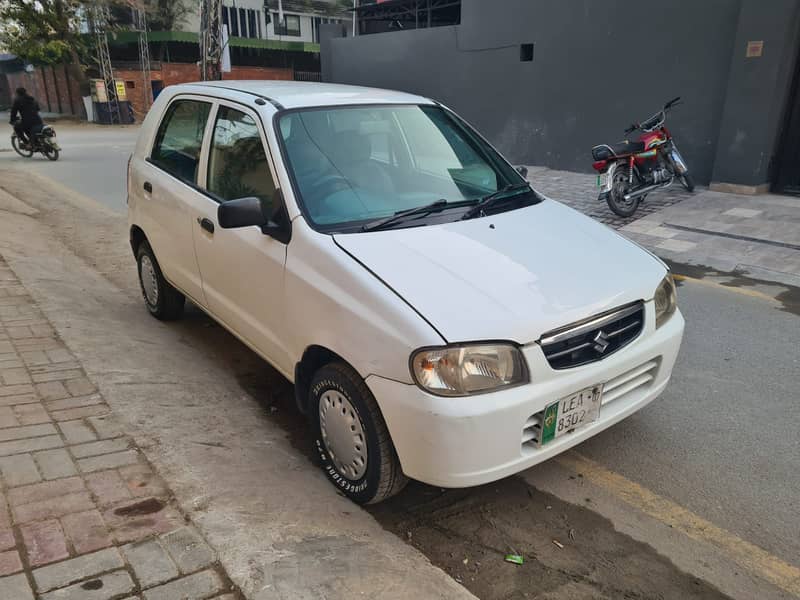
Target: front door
[242,269]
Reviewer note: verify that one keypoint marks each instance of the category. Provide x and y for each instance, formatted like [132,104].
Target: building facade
[545,80]
[260,19]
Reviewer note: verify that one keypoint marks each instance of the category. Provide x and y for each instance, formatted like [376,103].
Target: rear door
[242,269]
[169,194]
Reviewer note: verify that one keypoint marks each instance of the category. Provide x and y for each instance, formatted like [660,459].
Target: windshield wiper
[402,214]
[492,198]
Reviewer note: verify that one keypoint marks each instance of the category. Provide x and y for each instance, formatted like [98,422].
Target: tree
[167,15]
[43,32]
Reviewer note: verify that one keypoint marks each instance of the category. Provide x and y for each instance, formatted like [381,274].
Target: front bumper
[461,442]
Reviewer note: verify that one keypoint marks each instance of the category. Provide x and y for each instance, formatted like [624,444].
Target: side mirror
[243,212]
[250,211]
[523,170]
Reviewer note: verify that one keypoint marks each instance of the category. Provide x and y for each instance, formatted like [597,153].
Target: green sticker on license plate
[571,413]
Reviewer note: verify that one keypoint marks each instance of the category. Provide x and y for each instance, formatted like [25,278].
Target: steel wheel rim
[619,185]
[343,435]
[149,280]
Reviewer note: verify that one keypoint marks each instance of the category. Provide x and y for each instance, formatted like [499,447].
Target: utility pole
[139,18]
[280,26]
[211,40]
[100,18]
[355,6]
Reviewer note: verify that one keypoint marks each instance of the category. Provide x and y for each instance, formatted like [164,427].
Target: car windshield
[354,165]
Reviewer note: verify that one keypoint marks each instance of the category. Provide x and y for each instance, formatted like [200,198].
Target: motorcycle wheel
[616,197]
[15,143]
[50,152]
[687,181]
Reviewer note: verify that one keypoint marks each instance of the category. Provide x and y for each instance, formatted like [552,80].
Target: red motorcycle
[628,171]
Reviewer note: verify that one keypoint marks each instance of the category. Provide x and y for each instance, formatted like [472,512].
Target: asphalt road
[721,442]
[93,160]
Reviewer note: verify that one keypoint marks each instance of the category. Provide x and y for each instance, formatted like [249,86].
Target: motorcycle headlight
[463,370]
[666,300]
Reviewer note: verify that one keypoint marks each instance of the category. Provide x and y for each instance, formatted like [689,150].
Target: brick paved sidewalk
[83,516]
[579,191]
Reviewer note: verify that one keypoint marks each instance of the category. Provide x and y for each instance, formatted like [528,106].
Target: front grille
[594,339]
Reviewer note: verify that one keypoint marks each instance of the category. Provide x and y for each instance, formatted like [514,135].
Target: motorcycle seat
[604,151]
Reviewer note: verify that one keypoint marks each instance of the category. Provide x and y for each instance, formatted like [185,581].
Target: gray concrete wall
[757,92]
[597,67]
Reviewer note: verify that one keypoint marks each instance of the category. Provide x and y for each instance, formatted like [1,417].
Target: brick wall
[55,87]
[135,89]
[175,73]
[238,72]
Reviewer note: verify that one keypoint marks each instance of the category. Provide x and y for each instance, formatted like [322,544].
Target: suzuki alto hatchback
[439,318]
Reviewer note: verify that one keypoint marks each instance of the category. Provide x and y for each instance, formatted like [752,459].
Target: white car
[439,318]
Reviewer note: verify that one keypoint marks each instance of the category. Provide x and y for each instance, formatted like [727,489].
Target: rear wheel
[687,181]
[620,186]
[162,300]
[353,442]
[17,145]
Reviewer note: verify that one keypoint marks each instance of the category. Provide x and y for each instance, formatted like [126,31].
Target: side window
[237,163]
[180,137]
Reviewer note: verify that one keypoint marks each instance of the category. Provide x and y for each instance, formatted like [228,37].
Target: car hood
[511,276]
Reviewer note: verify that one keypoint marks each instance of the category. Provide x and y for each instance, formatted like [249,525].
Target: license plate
[602,180]
[571,413]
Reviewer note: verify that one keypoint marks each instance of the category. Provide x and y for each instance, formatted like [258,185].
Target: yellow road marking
[749,556]
[727,288]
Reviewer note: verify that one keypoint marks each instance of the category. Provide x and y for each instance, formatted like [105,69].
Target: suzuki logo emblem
[601,342]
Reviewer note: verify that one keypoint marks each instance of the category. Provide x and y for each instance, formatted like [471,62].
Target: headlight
[666,300]
[468,369]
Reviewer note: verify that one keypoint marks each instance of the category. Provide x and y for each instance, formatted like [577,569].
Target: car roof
[299,94]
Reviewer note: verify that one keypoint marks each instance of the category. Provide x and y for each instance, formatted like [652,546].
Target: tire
[162,300]
[687,181]
[50,152]
[339,397]
[616,200]
[16,145]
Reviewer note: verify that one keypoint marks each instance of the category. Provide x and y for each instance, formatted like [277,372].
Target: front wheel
[620,185]
[50,152]
[352,440]
[687,181]
[17,145]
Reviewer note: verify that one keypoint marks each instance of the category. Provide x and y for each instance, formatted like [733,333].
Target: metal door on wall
[787,175]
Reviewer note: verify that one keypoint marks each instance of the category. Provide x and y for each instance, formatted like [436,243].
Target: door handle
[206,224]
[148,187]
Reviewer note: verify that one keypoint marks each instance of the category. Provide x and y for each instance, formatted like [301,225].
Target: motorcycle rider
[27,108]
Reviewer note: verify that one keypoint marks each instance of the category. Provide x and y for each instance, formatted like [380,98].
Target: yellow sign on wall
[122,95]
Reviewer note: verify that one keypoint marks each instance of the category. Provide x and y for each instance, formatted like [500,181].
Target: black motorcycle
[43,141]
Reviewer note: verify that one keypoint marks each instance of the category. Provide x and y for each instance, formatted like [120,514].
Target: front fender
[332,301]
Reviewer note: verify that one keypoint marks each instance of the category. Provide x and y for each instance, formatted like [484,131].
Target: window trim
[214,101]
[282,29]
[149,158]
[206,150]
